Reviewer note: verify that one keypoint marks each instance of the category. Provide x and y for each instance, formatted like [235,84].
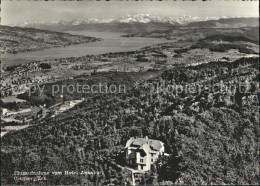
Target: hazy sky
[14,12]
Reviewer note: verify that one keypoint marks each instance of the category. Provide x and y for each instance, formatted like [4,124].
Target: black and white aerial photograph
[129,92]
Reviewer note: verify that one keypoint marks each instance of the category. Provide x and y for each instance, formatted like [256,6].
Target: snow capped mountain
[188,19]
[147,18]
[32,23]
[226,17]
[138,18]
[28,23]
[73,22]
[90,20]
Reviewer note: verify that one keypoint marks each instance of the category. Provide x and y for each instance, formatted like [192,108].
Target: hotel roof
[145,144]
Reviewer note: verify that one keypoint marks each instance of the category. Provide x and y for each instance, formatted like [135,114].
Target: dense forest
[211,133]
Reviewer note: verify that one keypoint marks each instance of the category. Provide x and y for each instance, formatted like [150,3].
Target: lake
[112,42]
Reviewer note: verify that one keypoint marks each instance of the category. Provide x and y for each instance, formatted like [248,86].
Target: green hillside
[211,134]
[17,39]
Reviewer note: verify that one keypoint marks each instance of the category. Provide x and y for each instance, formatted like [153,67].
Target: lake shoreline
[110,42]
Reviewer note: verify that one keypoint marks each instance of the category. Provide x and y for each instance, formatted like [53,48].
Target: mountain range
[145,22]
[138,18]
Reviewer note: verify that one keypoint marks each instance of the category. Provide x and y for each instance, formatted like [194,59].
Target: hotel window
[152,160]
[141,160]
